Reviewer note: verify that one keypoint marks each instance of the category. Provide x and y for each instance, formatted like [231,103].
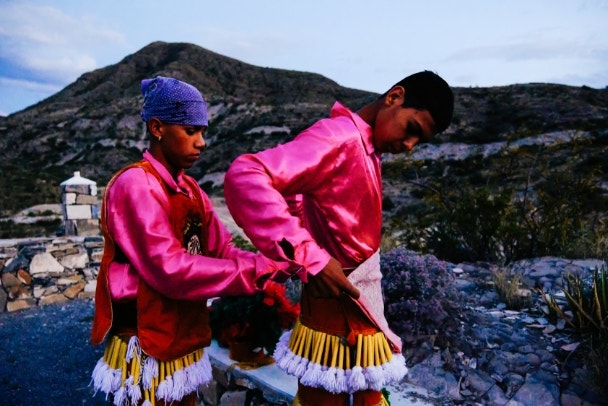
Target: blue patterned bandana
[173,102]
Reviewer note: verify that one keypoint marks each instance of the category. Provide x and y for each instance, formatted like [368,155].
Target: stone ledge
[275,385]
[279,388]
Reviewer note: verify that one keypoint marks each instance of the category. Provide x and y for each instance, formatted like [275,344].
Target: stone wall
[39,271]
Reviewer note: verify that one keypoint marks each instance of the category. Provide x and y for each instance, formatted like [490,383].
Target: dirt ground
[46,357]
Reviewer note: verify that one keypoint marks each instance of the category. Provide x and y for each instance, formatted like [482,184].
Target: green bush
[42,228]
[498,215]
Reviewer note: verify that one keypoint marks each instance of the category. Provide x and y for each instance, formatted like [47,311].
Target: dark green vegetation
[9,229]
[521,203]
[527,201]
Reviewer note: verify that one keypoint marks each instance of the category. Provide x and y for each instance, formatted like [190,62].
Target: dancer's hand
[331,282]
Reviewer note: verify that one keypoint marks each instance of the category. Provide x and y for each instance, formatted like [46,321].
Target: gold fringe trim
[333,351]
[115,356]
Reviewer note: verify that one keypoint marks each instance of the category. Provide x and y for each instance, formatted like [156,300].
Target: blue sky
[47,44]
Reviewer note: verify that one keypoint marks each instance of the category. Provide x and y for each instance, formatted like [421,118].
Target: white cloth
[368,279]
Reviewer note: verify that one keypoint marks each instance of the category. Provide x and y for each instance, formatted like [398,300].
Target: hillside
[93,125]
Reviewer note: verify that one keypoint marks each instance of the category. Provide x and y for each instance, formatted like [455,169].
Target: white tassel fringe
[337,380]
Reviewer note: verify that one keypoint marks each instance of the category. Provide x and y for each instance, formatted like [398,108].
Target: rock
[16,263]
[90,286]
[20,304]
[9,281]
[549,329]
[70,280]
[19,292]
[95,255]
[72,291]
[86,295]
[53,298]
[478,381]
[45,263]
[512,383]
[538,390]
[30,249]
[237,398]
[24,277]
[75,261]
[209,393]
[3,300]
[570,347]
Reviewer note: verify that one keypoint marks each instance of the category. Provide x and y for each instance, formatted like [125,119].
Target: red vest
[167,329]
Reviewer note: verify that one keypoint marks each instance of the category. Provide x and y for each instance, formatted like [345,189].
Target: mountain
[93,125]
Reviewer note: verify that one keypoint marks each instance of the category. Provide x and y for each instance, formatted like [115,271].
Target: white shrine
[80,206]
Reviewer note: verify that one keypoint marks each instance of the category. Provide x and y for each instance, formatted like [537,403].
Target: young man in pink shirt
[166,252]
[316,202]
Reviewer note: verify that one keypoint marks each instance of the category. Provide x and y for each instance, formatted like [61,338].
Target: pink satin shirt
[321,192]
[138,220]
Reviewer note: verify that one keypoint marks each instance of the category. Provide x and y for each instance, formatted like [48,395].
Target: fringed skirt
[327,361]
[133,378]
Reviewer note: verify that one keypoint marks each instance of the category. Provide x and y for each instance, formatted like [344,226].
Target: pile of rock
[488,354]
[41,271]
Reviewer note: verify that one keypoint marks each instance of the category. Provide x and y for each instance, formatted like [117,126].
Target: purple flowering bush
[417,292]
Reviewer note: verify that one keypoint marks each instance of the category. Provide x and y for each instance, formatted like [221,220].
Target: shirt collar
[365,130]
[164,173]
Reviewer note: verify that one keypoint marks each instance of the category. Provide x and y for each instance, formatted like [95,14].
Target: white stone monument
[80,206]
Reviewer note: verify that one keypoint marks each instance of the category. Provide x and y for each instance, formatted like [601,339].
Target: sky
[45,45]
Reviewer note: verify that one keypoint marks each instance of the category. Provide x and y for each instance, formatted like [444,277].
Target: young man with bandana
[166,252]
[316,202]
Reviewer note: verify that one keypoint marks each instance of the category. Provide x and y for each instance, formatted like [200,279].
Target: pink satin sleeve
[264,192]
[254,188]
[137,217]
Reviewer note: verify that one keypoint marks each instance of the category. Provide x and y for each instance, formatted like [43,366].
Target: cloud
[536,49]
[538,57]
[29,85]
[16,94]
[52,46]
[61,67]
[262,49]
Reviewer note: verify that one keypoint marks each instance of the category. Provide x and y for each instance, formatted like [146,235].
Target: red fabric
[367,398]
[188,400]
[341,317]
[167,329]
[308,396]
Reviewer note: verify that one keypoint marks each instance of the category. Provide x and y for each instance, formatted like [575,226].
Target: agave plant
[589,304]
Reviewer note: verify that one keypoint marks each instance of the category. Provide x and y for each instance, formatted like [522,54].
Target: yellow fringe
[115,355]
[332,351]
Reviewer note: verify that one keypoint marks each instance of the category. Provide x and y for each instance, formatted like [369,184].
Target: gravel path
[46,357]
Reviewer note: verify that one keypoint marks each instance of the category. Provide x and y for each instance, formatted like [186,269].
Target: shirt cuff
[308,259]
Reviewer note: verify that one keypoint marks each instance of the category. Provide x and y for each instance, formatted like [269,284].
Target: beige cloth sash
[367,278]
